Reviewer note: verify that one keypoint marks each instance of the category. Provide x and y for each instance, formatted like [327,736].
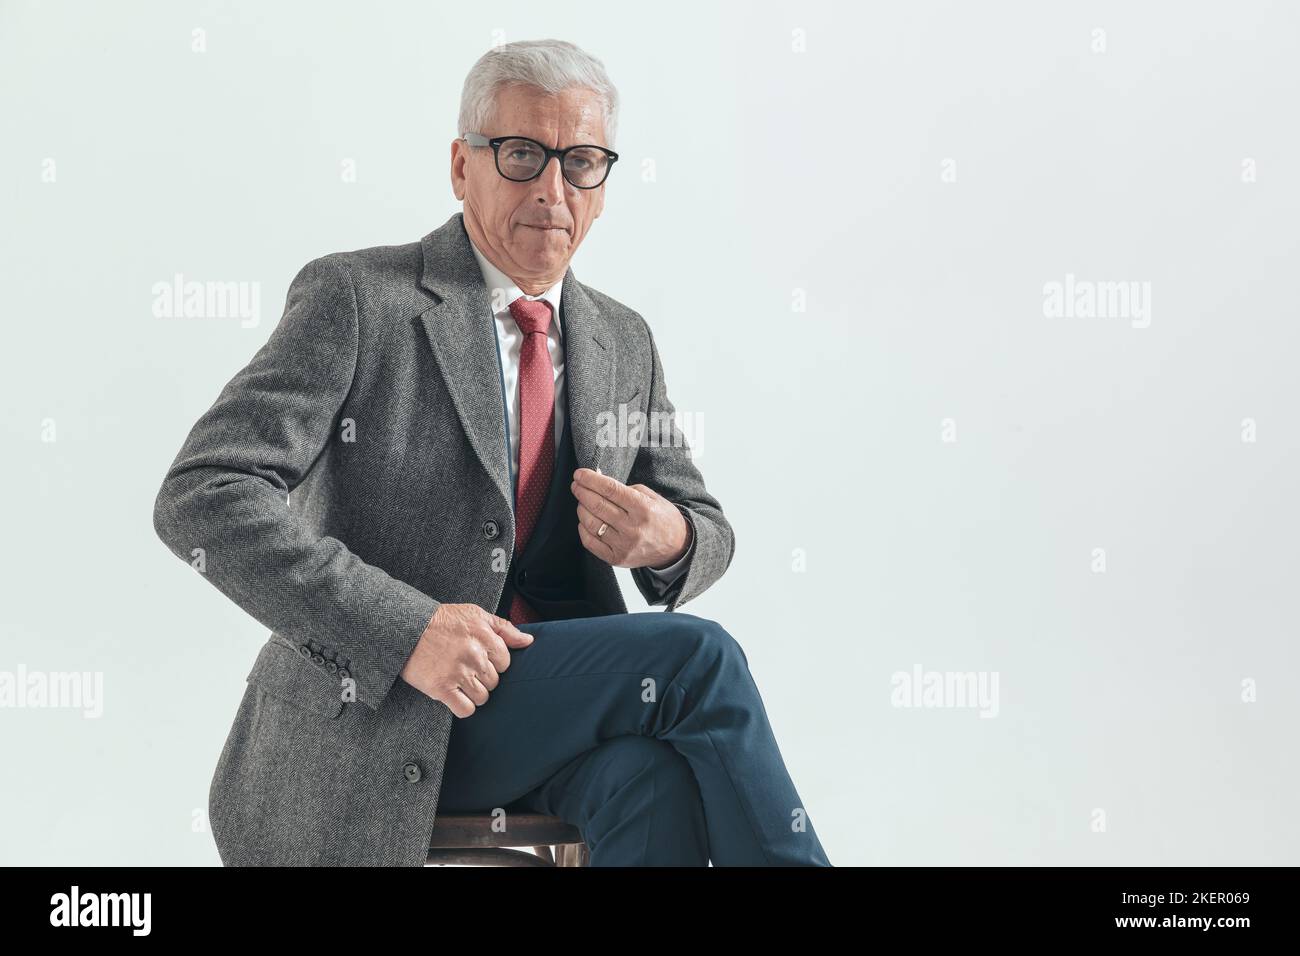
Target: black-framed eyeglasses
[520,159]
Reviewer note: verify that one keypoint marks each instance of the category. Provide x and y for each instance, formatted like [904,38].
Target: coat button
[332,666]
[318,660]
[411,772]
[304,650]
[344,673]
[490,529]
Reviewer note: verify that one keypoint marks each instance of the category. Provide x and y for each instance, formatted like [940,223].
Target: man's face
[530,230]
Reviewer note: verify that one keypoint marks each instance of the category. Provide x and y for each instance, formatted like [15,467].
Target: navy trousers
[645,731]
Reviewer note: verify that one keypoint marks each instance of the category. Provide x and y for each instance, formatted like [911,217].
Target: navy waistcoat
[548,573]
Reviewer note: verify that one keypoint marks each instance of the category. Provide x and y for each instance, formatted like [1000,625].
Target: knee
[714,638]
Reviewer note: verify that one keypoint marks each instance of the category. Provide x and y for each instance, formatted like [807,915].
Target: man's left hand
[642,528]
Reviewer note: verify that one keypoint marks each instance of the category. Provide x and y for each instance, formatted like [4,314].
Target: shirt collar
[496,279]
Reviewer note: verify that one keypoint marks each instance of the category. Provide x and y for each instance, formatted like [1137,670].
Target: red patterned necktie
[536,430]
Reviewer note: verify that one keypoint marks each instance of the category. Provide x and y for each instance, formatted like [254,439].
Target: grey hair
[549,65]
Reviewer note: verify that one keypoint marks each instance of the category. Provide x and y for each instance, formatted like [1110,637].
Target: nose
[550,182]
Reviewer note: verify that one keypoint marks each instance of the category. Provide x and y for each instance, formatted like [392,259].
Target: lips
[544,228]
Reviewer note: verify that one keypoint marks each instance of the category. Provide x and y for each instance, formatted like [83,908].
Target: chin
[548,254]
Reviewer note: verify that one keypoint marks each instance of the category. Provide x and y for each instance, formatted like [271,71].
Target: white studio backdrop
[985,316]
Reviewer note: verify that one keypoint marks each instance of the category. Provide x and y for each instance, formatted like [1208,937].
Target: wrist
[687,538]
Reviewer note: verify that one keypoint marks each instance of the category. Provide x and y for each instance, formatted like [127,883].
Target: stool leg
[572,854]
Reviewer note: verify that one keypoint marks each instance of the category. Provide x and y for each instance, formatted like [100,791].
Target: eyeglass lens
[520,159]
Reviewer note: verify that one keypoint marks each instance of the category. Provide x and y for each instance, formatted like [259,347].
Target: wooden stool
[467,839]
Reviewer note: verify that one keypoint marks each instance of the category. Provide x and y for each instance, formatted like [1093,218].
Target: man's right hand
[460,654]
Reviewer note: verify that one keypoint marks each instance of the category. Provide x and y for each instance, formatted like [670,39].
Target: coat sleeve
[225,496]
[667,467]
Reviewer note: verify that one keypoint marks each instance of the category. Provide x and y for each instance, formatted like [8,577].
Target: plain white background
[912,175]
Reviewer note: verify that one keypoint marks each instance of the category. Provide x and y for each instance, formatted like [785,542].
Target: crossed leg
[577,727]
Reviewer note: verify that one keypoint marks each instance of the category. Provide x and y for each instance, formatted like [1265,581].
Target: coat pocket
[285,674]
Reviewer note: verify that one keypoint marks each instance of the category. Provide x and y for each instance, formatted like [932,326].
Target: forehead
[556,119]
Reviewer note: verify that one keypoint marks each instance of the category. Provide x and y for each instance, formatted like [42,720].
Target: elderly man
[413,484]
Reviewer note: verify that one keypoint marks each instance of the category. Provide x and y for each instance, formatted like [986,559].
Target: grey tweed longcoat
[376,402]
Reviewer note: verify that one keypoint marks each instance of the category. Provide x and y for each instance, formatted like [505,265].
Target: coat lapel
[459,328]
[589,357]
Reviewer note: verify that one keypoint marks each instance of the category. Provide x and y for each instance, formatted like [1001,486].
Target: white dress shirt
[502,290]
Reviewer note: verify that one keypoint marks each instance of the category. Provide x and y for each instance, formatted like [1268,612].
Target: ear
[459,154]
